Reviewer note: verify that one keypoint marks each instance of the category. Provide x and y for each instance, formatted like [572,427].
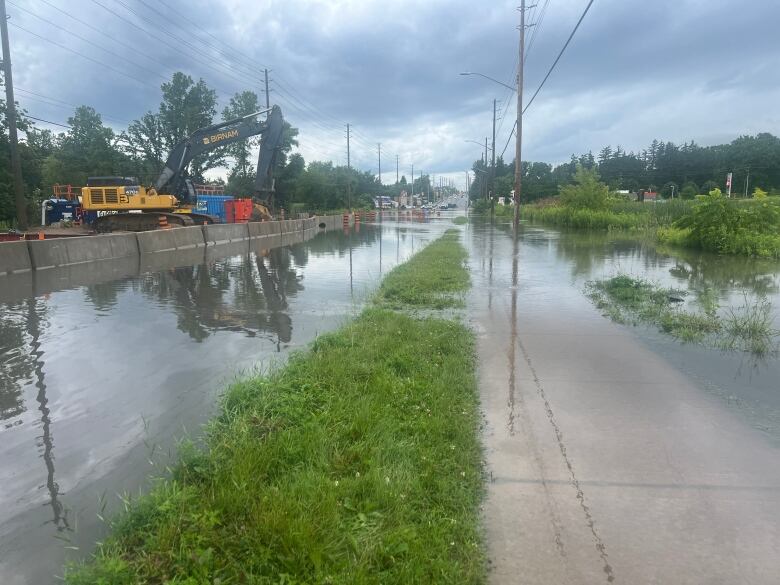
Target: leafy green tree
[586,192]
[186,106]
[88,148]
[689,190]
[241,104]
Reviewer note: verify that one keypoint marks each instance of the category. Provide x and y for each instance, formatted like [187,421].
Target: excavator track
[140,222]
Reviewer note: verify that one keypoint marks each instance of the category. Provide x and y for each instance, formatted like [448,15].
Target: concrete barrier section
[262,229]
[185,238]
[69,251]
[14,257]
[261,246]
[225,233]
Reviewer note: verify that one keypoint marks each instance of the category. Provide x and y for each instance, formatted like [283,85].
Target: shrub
[587,192]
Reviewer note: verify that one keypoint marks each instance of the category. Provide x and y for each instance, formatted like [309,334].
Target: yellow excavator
[123,204]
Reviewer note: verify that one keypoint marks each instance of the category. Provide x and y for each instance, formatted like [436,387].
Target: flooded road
[617,454]
[105,367]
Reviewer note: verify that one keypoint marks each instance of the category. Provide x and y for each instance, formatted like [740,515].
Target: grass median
[358,462]
[434,279]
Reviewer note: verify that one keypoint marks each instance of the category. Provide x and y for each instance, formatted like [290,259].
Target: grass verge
[460,220]
[629,300]
[358,462]
[432,279]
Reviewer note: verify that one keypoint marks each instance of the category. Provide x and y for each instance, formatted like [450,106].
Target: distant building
[649,196]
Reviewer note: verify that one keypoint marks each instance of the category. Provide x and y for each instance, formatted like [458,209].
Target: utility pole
[349,187]
[16,163]
[396,169]
[519,134]
[267,93]
[379,157]
[487,176]
[412,200]
[493,156]
[747,182]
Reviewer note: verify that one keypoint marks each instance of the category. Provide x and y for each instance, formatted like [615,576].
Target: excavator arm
[173,178]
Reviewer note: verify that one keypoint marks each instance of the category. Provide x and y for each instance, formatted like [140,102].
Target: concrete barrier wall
[225,233]
[69,251]
[14,258]
[185,238]
[262,229]
[24,256]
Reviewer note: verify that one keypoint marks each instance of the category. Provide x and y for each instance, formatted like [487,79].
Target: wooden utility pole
[493,155]
[519,134]
[267,93]
[349,169]
[396,169]
[379,157]
[411,203]
[16,163]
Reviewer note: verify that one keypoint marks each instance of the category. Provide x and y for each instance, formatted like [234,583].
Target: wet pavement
[616,454]
[103,368]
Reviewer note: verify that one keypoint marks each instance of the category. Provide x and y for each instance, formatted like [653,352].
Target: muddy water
[103,369]
[616,454]
[748,384]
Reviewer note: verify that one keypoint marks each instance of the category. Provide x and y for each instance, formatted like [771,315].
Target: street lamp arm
[482,145]
[490,78]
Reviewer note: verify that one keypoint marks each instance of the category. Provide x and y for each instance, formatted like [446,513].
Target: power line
[221,41]
[61,46]
[219,49]
[109,51]
[113,40]
[546,77]
[47,121]
[157,39]
[558,58]
[44,99]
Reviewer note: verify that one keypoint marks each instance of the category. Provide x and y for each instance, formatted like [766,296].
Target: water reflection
[34,316]
[16,364]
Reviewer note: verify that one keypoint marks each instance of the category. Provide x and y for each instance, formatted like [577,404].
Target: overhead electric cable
[552,68]
[84,39]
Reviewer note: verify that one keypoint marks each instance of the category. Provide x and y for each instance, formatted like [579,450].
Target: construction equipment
[123,204]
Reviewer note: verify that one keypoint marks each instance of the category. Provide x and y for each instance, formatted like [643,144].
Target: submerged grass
[433,278]
[460,220]
[358,462]
[630,300]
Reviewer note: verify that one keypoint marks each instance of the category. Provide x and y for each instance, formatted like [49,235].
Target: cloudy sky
[704,70]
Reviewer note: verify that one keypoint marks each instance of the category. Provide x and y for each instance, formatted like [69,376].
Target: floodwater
[615,453]
[104,368]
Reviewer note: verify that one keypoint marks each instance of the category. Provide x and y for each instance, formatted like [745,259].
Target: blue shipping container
[213,205]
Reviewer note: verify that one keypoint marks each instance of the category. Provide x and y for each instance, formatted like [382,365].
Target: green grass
[562,216]
[460,220]
[358,462]
[431,279]
[625,299]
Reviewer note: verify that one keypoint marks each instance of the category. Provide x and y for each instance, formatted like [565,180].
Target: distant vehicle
[452,205]
[443,207]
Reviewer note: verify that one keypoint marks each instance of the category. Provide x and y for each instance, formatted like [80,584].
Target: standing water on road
[99,381]
[617,454]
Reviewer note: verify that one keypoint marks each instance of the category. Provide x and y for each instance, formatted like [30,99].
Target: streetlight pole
[519,134]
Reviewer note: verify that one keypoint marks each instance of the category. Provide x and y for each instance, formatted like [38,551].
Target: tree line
[88,147]
[683,170]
